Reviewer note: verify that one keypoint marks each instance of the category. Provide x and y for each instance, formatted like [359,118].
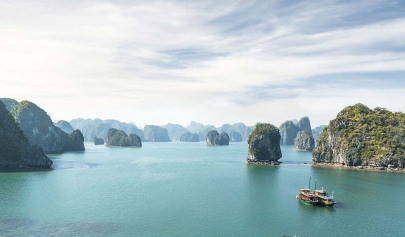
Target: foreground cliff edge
[363,138]
[264,145]
[15,149]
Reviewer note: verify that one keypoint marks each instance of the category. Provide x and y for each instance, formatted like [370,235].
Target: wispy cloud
[225,57]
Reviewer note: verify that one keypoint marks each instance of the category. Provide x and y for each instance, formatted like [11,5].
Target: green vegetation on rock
[117,137]
[362,136]
[264,144]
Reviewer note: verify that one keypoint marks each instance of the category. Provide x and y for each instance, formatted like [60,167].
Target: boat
[317,197]
[324,199]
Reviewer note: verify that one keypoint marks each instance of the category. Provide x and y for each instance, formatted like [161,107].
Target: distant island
[118,138]
[363,138]
[216,139]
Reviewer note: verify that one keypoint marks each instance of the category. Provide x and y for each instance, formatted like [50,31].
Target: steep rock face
[317,131]
[235,136]
[189,137]
[215,139]
[361,136]
[64,126]
[175,131]
[98,141]
[304,141]
[289,130]
[199,128]
[39,129]
[155,134]
[305,124]
[117,137]
[98,128]
[15,149]
[264,144]
[9,103]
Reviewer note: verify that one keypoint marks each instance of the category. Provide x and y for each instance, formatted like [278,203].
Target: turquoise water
[189,189]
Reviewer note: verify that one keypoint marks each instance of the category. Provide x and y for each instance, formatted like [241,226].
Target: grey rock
[264,144]
[304,141]
[189,137]
[98,141]
[175,131]
[15,149]
[317,131]
[64,126]
[289,130]
[119,138]
[9,103]
[235,136]
[215,139]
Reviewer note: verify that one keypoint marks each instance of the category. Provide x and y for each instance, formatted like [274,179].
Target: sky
[213,62]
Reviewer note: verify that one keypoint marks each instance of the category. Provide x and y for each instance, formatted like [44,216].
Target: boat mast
[309,186]
[315,183]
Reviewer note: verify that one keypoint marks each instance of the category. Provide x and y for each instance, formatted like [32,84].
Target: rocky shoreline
[271,163]
[366,168]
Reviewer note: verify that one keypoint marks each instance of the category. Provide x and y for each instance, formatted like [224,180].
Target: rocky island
[264,145]
[98,141]
[364,138]
[216,139]
[304,141]
[119,138]
[235,136]
[189,137]
[290,130]
[64,126]
[15,149]
[40,130]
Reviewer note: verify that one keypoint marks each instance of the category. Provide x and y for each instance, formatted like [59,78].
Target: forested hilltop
[360,136]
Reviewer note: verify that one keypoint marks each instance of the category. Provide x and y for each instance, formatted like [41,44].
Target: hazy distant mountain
[175,131]
[65,126]
[98,128]
[289,130]
[155,134]
[317,131]
[199,128]
[9,103]
[239,128]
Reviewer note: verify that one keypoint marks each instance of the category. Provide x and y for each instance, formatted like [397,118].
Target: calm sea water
[189,189]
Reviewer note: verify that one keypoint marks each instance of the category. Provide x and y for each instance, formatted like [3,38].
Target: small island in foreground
[363,138]
[264,145]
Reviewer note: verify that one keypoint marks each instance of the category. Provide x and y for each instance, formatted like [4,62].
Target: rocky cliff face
[9,103]
[216,139]
[155,134]
[304,141]
[189,137]
[264,144]
[289,130]
[39,129]
[15,149]
[359,136]
[117,137]
[64,126]
[98,141]
[235,136]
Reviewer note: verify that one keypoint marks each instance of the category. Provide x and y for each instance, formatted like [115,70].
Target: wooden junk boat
[317,197]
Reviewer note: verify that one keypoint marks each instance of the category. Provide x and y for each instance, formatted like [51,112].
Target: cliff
[155,134]
[9,103]
[235,136]
[98,141]
[304,141]
[289,130]
[264,145]
[189,137]
[117,137]
[359,136]
[317,131]
[64,126]
[40,130]
[15,149]
[216,139]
